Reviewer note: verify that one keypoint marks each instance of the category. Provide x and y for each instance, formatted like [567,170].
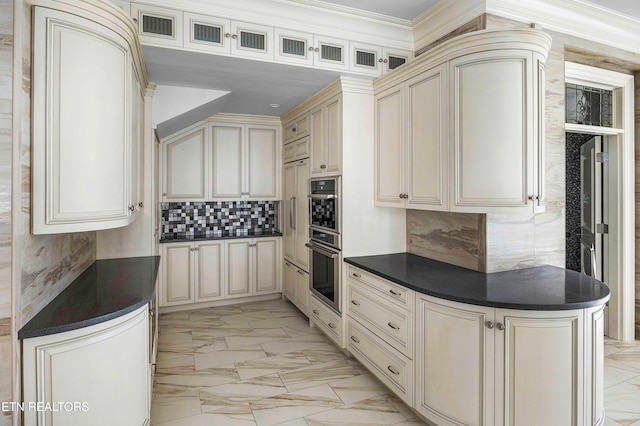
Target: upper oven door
[324,204]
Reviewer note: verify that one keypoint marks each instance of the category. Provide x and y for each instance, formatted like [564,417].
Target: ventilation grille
[252,40]
[366,59]
[331,53]
[157,25]
[396,61]
[207,33]
[294,47]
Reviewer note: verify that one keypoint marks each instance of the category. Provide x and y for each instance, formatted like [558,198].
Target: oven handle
[323,196]
[322,251]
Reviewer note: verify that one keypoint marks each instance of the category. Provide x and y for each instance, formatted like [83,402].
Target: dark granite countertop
[539,288]
[181,239]
[105,290]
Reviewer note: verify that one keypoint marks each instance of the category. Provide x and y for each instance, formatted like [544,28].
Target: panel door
[492,129]
[185,166]
[389,146]
[302,215]
[366,59]
[209,271]
[136,144]
[333,136]
[207,33]
[537,351]
[293,46]
[289,211]
[427,140]
[332,53]
[454,362]
[227,161]
[177,274]
[266,266]
[302,291]
[289,277]
[238,268]
[317,140]
[262,163]
[251,40]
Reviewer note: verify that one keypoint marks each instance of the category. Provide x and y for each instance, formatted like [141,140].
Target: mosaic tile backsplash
[218,219]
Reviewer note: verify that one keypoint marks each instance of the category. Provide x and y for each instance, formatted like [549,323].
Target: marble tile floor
[261,364]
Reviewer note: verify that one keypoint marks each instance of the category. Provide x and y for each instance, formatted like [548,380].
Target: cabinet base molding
[236,301]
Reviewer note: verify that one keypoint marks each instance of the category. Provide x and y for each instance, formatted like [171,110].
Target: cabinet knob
[316,50]
[323,166]
[331,325]
[235,36]
[252,245]
[355,339]
[141,204]
[489,324]
[385,61]
[293,130]
[393,326]
[500,326]
[380,60]
[355,303]
[132,207]
[315,311]
[164,194]
[533,197]
[393,370]
[135,20]
[227,35]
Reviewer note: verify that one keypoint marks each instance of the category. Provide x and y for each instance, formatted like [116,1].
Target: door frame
[622,191]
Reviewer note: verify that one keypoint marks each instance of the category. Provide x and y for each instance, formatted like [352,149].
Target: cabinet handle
[392,325]
[500,326]
[354,274]
[393,370]
[533,197]
[300,272]
[395,293]
[355,339]
[355,303]
[227,35]
[331,325]
[315,311]
[489,325]
[323,166]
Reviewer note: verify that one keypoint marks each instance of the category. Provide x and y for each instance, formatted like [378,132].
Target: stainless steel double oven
[325,241]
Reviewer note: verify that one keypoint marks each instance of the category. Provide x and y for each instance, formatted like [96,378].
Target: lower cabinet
[97,375]
[215,270]
[328,320]
[296,287]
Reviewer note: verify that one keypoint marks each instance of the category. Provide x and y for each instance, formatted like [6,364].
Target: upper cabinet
[326,137]
[459,128]
[87,136]
[229,157]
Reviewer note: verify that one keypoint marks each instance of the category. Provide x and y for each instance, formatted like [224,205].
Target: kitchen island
[461,347]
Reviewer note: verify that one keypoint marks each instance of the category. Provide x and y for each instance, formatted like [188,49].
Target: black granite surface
[539,288]
[105,290]
[203,237]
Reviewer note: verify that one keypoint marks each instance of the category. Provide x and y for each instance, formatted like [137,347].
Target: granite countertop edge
[225,237]
[30,330]
[428,289]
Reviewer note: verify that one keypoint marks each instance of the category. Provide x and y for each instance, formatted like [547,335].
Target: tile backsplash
[218,218]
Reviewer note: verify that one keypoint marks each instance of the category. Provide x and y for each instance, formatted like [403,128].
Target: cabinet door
[266,266]
[366,59]
[289,276]
[177,274]
[207,33]
[262,163]
[302,291]
[492,123]
[537,351]
[238,268]
[226,151]
[333,135]
[251,40]
[81,129]
[157,25]
[293,46]
[302,215]
[393,58]
[454,359]
[317,140]
[389,146]
[185,166]
[427,141]
[136,194]
[331,53]
[209,271]
[289,211]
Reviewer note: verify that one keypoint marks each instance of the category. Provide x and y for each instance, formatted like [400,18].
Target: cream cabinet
[296,128]
[296,287]
[376,60]
[252,267]
[295,210]
[330,322]
[97,368]
[461,127]
[184,165]
[192,272]
[411,155]
[86,136]
[326,138]
[244,159]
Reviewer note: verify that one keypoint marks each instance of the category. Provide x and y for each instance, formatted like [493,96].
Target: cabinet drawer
[297,128]
[397,294]
[391,367]
[393,325]
[327,320]
[296,150]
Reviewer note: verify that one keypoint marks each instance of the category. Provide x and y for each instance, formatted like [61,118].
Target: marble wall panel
[454,238]
[510,242]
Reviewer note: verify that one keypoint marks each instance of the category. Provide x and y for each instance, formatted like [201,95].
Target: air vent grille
[208,33]
[366,59]
[331,53]
[157,25]
[396,61]
[252,40]
[294,47]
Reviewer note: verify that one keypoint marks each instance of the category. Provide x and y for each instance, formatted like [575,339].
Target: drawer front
[302,125]
[326,319]
[391,367]
[392,324]
[289,152]
[289,132]
[397,294]
[302,148]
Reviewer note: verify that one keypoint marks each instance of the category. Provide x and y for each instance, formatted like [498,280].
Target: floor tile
[242,392]
[271,365]
[373,411]
[295,344]
[357,388]
[174,407]
[622,403]
[215,359]
[317,374]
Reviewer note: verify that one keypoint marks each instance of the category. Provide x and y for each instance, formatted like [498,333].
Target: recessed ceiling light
[275,105]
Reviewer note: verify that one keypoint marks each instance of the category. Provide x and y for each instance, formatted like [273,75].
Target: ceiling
[255,85]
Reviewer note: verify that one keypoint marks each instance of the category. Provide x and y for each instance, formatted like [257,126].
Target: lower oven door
[324,277]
